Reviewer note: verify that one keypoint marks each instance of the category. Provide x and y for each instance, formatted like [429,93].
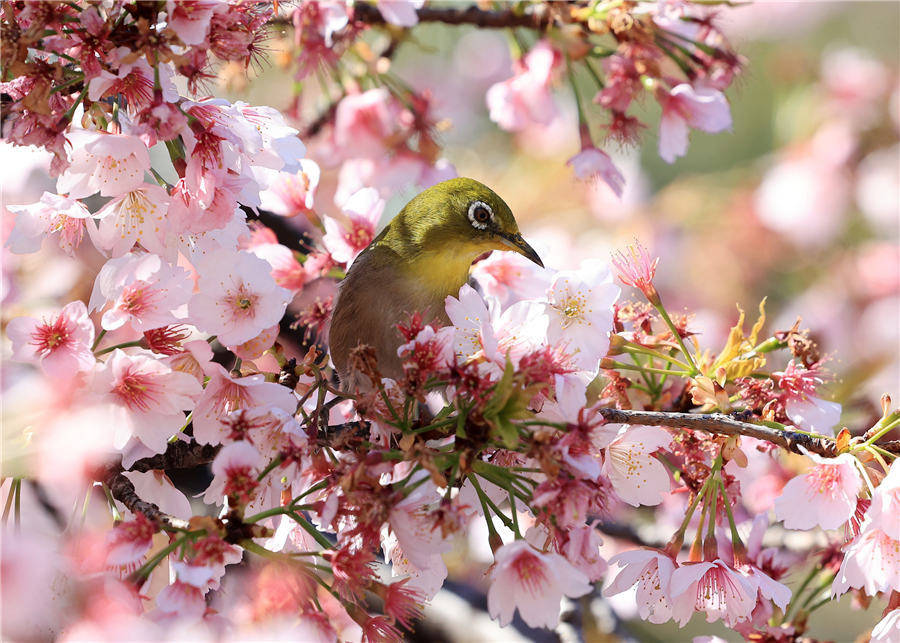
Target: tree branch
[123,490]
[178,455]
[471,15]
[722,424]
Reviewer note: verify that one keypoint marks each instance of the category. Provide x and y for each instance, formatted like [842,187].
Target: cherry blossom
[885,505]
[825,495]
[237,297]
[579,307]
[190,20]
[417,534]
[366,122]
[400,12]
[525,98]
[592,164]
[234,473]
[712,588]
[696,106]
[638,477]
[636,269]
[887,629]
[290,194]
[52,215]
[651,571]
[871,563]
[134,218]
[532,581]
[224,394]
[111,164]
[142,290]
[146,398]
[345,240]
[509,277]
[61,344]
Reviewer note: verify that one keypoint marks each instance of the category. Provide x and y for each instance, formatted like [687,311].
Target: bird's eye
[480,214]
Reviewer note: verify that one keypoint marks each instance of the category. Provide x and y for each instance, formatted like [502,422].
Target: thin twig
[123,490]
[722,424]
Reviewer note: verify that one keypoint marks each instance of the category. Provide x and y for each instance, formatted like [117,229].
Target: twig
[472,15]
[179,455]
[722,424]
[123,490]
[368,14]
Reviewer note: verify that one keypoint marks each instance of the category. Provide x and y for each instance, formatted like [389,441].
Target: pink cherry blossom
[345,240]
[111,164]
[417,533]
[193,359]
[871,563]
[510,277]
[888,628]
[825,495]
[651,571]
[237,297]
[637,269]
[224,394]
[134,218]
[400,12]
[638,477]
[287,271]
[532,581]
[711,588]
[143,291]
[134,81]
[885,505]
[61,344]
[146,398]
[291,194]
[492,335]
[525,98]
[367,122]
[190,19]
[686,106]
[129,542]
[427,579]
[51,216]
[592,164]
[582,549]
[235,470]
[579,307]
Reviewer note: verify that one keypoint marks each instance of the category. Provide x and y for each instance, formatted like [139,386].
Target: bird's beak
[517,243]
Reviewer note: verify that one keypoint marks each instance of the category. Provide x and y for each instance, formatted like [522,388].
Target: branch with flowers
[550,407]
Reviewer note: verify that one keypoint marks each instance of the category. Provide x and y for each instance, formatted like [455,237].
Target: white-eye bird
[422,256]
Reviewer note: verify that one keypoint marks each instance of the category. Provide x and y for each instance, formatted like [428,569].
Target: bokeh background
[800,203]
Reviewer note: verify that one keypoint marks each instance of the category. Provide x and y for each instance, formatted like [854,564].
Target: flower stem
[110,349]
[99,337]
[668,320]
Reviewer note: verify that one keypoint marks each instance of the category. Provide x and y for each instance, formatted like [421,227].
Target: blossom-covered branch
[511,424]
[722,424]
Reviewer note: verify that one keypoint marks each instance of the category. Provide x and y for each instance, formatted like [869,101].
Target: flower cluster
[548,408]
[672,51]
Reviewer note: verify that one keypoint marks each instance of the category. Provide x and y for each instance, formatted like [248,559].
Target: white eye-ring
[480,214]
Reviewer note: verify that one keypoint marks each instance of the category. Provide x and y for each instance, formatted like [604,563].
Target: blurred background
[800,203]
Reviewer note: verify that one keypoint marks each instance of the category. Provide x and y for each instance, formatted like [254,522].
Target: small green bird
[422,256]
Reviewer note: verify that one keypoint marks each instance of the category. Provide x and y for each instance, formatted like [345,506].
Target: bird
[419,259]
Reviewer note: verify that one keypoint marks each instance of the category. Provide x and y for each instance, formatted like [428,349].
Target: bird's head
[460,216]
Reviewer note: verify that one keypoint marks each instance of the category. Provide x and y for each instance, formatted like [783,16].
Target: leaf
[730,359]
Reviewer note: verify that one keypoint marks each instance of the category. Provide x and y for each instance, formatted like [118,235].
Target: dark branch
[722,424]
[472,15]
[123,491]
[179,455]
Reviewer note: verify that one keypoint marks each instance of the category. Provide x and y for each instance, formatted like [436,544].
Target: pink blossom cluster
[346,505]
